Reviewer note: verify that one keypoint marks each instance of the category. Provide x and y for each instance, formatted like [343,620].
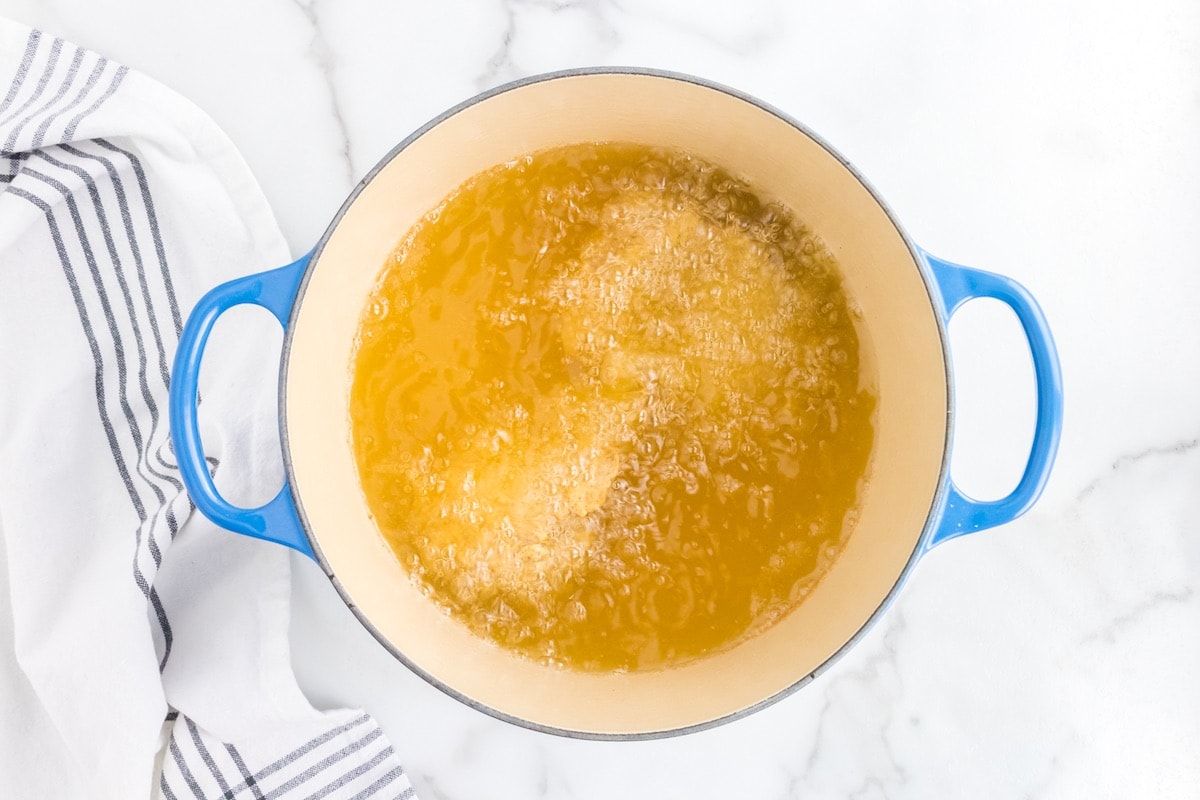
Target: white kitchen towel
[143,651]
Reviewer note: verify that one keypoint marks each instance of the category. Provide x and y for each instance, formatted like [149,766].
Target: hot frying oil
[607,407]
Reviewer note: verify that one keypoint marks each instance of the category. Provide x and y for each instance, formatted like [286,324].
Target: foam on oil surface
[607,407]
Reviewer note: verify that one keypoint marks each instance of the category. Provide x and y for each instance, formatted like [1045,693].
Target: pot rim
[931,520]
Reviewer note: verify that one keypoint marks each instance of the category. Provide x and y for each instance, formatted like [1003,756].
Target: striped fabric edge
[55,87]
[350,761]
[96,201]
[98,208]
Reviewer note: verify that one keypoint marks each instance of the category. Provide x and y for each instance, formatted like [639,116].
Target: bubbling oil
[607,407]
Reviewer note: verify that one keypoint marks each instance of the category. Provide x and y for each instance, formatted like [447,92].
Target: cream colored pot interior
[899,333]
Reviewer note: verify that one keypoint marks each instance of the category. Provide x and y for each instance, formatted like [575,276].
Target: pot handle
[956,285]
[277,521]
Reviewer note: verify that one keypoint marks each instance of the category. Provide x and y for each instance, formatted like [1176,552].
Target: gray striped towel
[143,652]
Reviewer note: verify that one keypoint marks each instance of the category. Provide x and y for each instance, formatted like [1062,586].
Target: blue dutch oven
[909,504]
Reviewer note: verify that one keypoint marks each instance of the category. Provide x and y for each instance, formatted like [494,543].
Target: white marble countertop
[1055,142]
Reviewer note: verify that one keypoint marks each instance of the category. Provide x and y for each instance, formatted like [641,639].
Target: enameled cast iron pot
[907,296]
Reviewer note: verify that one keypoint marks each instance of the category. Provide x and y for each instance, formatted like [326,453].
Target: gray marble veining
[1054,142]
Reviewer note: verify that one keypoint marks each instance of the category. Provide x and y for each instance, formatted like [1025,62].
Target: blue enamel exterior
[952,514]
[961,515]
[277,521]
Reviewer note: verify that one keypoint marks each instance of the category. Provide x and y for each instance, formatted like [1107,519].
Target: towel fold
[143,651]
